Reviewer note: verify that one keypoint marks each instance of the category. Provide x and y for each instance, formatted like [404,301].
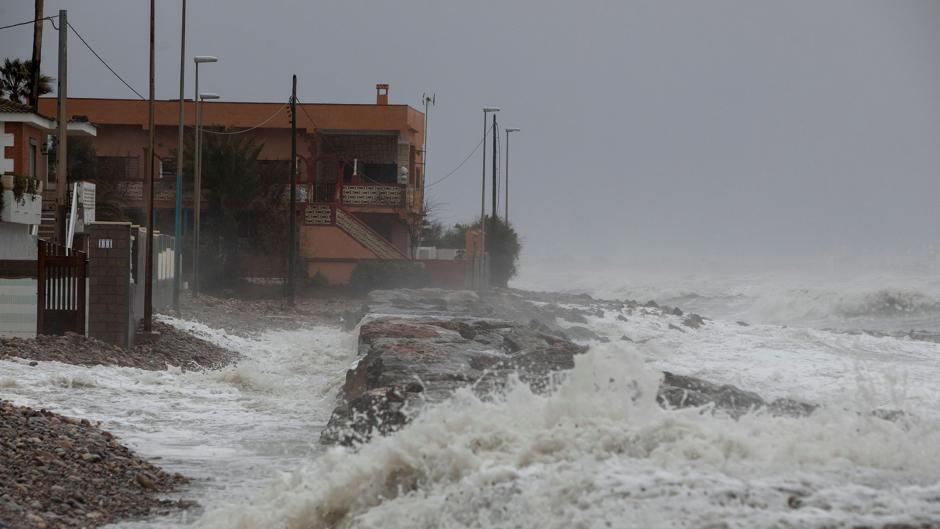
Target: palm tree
[15,78]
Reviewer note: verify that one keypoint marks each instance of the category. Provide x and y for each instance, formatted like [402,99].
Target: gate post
[40,286]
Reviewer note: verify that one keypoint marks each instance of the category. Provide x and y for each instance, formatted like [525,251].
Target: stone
[145,480]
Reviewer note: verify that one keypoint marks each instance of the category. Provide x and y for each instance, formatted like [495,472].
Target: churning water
[597,451]
[231,430]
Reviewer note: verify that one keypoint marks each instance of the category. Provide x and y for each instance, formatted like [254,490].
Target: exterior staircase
[333,215]
[47,228]
[366,236]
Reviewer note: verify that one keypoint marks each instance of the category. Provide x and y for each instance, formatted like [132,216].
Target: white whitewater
[595,452]
[230,430]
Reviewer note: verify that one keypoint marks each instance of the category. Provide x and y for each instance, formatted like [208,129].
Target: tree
[418,227]
[246,198]
[502,244]
[503,247]
[16,75]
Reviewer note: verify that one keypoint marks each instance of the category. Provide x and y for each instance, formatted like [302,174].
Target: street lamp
[486,110]
[508,130]
[197,190]
[198,59]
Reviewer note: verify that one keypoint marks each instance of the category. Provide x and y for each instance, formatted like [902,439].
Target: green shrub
[375,275]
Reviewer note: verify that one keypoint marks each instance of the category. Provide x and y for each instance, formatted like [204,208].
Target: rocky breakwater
[417,346]
[57,471]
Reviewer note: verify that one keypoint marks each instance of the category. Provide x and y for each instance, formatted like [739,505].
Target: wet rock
[407,362]
[693,321]
[427,344]
[680,391]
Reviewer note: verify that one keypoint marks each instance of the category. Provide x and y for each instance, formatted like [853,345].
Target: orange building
[360,168]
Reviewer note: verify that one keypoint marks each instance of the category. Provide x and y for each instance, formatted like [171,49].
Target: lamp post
[178,213]
[197,156]
[197,190]
[482,273]
[506,215]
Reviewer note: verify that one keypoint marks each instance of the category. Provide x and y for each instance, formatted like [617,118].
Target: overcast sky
[652,130]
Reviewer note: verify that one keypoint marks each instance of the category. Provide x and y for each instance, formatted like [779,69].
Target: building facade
[360,169]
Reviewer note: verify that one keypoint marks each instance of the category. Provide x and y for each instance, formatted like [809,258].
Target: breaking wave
[597,451]
[881,302]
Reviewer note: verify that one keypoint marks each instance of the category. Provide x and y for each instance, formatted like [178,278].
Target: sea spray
[598,450]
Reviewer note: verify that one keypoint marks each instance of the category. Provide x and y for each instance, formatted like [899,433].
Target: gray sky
[685,131]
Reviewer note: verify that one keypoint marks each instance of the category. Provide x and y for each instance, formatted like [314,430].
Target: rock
[145,480]
[446,348]
[91,458]
[679,391]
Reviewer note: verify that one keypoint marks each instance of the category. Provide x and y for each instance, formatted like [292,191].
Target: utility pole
[292,240]
[37,56]
[482,263]
[495,187]
[148,269]
[506,200]
[178,217]
[62,153]
[429,101]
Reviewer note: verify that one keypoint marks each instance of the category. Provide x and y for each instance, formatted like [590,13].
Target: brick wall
[108,277]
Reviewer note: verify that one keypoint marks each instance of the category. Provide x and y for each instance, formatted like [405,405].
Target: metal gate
[61,299]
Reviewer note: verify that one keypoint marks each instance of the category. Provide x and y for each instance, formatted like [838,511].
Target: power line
[24,23]
[259,125]
[461,164]
[108,66]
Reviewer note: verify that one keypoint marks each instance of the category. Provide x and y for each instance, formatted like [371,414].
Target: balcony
[26,210]
[381,195]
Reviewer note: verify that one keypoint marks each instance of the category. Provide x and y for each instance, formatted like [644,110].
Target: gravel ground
[245,317]
[172,347]
[58,471]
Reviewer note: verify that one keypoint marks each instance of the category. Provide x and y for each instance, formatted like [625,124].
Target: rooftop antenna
[428,101]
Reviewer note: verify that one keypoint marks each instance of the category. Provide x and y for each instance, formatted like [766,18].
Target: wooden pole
[291,253]
[178,213]
[62,153]
[37,56]
[148,267]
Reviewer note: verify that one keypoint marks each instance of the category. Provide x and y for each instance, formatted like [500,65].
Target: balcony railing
[373,195]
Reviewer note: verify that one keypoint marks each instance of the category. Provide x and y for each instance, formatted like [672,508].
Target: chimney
[381,94]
